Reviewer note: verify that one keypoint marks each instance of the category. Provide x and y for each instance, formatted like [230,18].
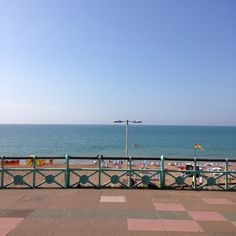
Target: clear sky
[92,61]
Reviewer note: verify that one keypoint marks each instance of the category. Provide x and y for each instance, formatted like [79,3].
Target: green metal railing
[133,172]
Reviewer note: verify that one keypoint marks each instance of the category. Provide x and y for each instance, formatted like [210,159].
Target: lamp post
[127,124]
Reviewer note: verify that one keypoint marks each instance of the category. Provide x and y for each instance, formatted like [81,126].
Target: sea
[109,140]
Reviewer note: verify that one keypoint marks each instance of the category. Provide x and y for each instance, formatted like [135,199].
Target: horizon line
[143,124]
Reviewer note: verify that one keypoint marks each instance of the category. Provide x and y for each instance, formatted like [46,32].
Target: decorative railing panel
[118,172]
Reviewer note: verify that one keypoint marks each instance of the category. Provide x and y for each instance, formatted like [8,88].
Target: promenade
[116,212]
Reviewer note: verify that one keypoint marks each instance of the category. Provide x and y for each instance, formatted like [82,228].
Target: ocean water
[109,140]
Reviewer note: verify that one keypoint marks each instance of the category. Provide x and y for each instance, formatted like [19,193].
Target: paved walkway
[117,212]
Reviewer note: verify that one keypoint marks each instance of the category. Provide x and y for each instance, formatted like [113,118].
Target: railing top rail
[80,158]
[128,158]
[119,158]
[203,159]
[31,157]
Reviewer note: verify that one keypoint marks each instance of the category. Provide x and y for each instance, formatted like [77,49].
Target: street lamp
[127,123]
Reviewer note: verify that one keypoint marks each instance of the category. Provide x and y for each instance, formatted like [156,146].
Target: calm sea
[144,140]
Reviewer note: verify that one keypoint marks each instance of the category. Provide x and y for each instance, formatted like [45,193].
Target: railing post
[162,176]
[227,174]
[99,170]
[67,173]
[34,170]
[3,170]
[195,174]
[130,172]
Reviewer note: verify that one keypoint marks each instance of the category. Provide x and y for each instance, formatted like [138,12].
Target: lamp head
[137,121]
[117,121]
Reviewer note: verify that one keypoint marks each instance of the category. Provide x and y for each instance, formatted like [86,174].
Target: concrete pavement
[116,212]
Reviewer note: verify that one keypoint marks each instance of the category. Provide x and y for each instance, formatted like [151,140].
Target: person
[193,181]
[200,180]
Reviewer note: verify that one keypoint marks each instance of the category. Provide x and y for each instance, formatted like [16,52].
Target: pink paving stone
[145,225]
[7,224]
[218,201]
[233,222]
[206,216]
[168,206]
[181,226]
[164,200]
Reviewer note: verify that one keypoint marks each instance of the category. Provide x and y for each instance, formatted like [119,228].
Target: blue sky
[89,62]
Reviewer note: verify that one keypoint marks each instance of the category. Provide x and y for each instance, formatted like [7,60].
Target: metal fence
[118,172]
